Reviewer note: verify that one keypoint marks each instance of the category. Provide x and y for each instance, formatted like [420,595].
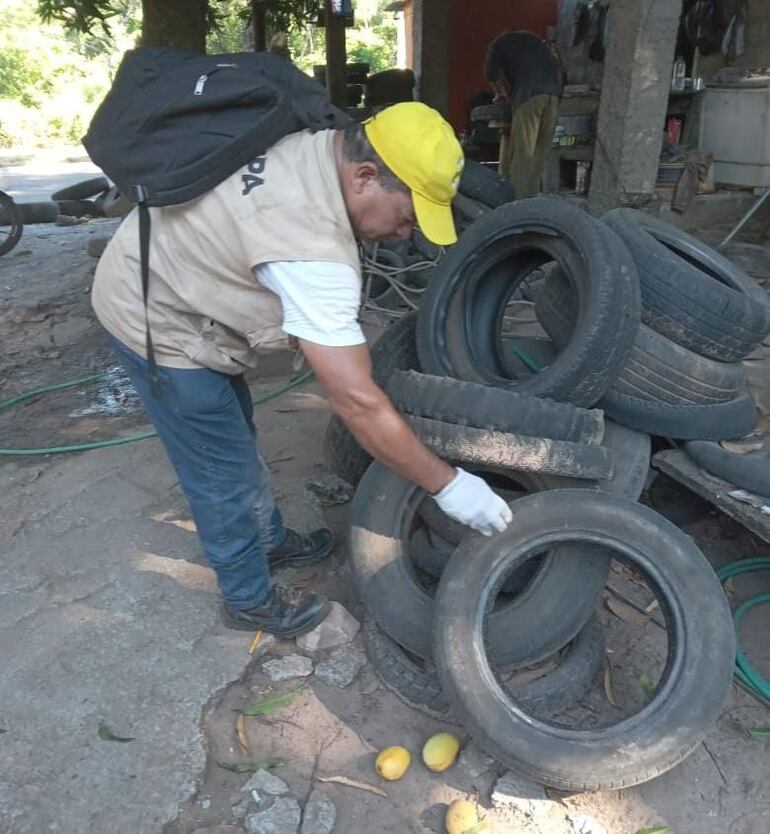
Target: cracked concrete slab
[107,617]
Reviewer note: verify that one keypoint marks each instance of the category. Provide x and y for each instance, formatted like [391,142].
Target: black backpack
[176,123]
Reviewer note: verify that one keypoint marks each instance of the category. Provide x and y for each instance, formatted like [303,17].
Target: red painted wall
[474,23]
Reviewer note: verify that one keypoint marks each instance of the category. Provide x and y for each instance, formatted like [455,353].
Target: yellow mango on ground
[440,751]
[392,763]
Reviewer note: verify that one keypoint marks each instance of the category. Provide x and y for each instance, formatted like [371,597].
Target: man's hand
[470,501]
[346,375]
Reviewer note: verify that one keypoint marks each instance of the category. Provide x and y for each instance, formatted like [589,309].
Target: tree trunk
[336,57]
[177,23]
[259,24]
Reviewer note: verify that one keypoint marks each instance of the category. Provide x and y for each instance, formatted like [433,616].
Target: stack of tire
[453,617]
[701,315]
[94,197]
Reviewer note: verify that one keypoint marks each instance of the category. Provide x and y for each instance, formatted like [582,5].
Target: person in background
[522,69]
[279,45]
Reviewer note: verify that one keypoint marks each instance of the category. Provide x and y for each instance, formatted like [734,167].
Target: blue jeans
[204,420]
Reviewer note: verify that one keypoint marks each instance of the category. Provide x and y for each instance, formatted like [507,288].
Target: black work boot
[286,613]
[298,550]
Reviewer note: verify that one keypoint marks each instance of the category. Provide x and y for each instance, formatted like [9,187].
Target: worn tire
[416,682]
[504,450]
[82,190]
[724,421]
[631,449]
[461,314]
[10,216]
[43,212]
[395,350]
[692,294]
[698,675]
[482,406]
[750,471]
[80,208]
[484,185]
[534,625]
[658,369]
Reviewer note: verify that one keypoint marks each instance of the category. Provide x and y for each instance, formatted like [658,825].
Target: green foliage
[54,73]
[51,78]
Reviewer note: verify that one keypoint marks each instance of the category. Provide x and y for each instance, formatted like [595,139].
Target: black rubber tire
[658,369]
[80,208]
[630,448]
[485,407]
[390,86]
[395,350]
[82,190]
[466,211]
[750,471]
[43,212]
[468,445]
[12,218]
[484,186]
[460,317]
[725,421]
[536,624]
[696,681]
[692,294]
[416,682]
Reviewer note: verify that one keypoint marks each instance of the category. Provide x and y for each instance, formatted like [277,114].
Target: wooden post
[258,21]
[336,57]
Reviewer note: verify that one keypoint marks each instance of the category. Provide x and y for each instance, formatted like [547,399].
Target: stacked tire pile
[94,197]
[645,330]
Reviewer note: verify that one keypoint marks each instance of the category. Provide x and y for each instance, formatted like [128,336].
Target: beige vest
[206,308]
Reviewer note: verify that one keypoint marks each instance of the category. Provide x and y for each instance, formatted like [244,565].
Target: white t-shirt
[320,300]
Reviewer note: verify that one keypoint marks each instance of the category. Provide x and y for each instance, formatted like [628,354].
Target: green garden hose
[118,441]
[744,670]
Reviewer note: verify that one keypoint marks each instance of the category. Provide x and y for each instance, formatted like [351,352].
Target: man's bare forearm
[386,436]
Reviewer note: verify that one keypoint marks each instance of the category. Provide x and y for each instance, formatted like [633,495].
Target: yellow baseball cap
[421,149]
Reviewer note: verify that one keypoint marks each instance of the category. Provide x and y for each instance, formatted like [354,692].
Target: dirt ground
[48,335]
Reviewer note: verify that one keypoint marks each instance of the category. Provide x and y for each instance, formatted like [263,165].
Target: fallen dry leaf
[240,729]
[256,641]
[351,783]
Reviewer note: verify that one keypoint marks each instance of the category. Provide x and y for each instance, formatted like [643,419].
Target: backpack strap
[145,226]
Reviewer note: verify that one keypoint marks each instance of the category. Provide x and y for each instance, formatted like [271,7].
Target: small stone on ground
[475,762]
[320,815]
[265,782]
[286,668]
[282,817]
[512,791]
[338,628]
[342,667]
[583,824]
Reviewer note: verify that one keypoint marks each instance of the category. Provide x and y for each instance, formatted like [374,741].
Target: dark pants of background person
[204,420]
[532,128]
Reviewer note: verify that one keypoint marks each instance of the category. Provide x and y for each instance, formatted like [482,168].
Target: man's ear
[364,174]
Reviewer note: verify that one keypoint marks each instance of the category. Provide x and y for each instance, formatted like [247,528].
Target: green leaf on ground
[759,732]
[106,734]
[608,687]
[23,253]
[272,703]
[646,683]
[658,829]
[252,767]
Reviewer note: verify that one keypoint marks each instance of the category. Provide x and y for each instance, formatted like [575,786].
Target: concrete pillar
[431,52]
[635,89]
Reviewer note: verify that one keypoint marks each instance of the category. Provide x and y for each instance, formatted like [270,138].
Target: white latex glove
[470,501]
